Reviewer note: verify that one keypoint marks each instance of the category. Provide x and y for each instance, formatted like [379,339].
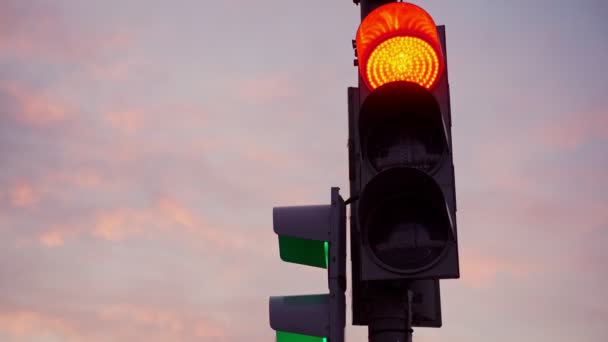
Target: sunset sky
[143,145]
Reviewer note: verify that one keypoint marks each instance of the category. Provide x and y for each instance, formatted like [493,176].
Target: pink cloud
[109,227]
[126,121]
[52,239]
[118,225]
[22,324]
[498,163]
[481,271]
[122,223]
[172,321]
[576,130]
[538,214]
[194,225]
[126,312]
[179,214]
[112,322]
[57,235]
[118,71]
[38,31]
[22,194]
[571,218]
[265,155]
[34,106]
[265,88]
[166,216]
[521,191]
[86,178]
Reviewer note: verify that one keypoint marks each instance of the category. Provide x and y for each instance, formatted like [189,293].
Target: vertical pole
[390,316]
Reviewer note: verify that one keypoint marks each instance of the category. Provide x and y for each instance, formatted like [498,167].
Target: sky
[144,144]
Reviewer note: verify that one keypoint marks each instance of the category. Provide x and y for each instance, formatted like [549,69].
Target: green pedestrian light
[283,336]
[305,252]
[312,235]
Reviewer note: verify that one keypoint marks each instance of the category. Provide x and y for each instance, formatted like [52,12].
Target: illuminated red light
[399,42]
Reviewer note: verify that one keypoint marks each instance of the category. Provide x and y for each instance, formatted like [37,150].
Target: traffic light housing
[313,235]
[403,205]
[405,210]
[403,225]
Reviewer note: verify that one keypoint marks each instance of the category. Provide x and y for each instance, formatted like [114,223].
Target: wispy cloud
[44,32]
[110,321]
[23,324]
[576,130]
[265,88]
[482,271]
[172,322]
[127,121]
[54,237]
[22,194]
[33,106]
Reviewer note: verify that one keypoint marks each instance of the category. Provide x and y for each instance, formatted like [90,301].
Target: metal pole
[390,316]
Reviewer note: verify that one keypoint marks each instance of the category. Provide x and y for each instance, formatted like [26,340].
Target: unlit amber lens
[403,59]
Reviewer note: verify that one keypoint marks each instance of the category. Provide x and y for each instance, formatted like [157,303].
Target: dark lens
[403,234]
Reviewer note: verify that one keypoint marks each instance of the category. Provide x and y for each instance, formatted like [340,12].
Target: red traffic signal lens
[399,42]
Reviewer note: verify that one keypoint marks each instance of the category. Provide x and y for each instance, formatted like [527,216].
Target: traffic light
[403,203]
[313,235]
[403,225]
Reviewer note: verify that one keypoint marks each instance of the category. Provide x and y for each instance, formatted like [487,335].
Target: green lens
[303,251]
[283,336]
